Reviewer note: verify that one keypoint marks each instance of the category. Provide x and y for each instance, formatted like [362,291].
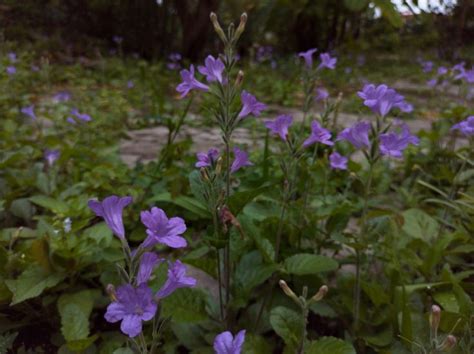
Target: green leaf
[330,345]
[288,324]
[419,224]
[239,200]
[74,323]
[191,204]
[447,300]
[185,305]
[22,208]
[251,272]
[123,351]
[255,344]
[355,5]
[305,263]
[389,11]
[31,283]
[54,205]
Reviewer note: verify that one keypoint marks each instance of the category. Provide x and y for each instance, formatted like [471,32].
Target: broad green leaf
[31,283]
[185,305]
[82,344]
[330,345]
[22,208]
[305,263]
[251,272]
[123,351]
[419,224]
[74,322]
[239,200]
[288,324]
[447,300]
[54,205]
[191,204]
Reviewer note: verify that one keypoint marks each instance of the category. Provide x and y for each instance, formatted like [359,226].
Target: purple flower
[225,343]
[241,159]
[131,306]
[29,111]
[321,94]
[176,279]
[442,70]
[360,59]
[466,127]
[308,57]
[250,105]
[427,66]
[62,96]
[160,229]
[393,144]
[130,84]
[148,263]
[338,161]
[175,57]
[357,135]
[11,70]
[469,76]
[213,69]
[190,82]
[35,68]
[110,209]
[381,99]
[318,135]
[432,82]
[117,39]
[173,66]
[327,61]
[459,67]
[12,57]
[71,120]
[82,116]
[51,156]
[279,126]
[207,159]
[347,70]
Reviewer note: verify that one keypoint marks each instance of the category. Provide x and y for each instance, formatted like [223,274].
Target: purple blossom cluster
[135,302]
[78,117]
[465,127]
[381,99]
[241,159]
[174,61]
[327,61]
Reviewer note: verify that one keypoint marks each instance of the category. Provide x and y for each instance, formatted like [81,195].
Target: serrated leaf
[31,283]
[287,324]
[305,263]
[330,345]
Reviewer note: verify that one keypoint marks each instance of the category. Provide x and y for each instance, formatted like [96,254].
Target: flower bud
[217,27]
[323,290]
[204,174]
[286,289]
[435,317]
[240,78]
[449,343]
[219,165]
[241,28]
[110,289]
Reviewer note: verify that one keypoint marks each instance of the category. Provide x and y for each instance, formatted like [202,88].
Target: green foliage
[330,345]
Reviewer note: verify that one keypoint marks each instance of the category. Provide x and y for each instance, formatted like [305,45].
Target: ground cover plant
[315,234]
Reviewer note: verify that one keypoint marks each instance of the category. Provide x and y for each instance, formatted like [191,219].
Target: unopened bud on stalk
[217,27]
[240,78]
[323,290]
[110,289]
[204,174]
[435,317]
[241,28]
[286,289]
[449,343]
[219,165]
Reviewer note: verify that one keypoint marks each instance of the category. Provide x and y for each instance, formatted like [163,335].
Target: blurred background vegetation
[155,28]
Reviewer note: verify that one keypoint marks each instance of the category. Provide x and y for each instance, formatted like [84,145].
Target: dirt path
[144,145]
